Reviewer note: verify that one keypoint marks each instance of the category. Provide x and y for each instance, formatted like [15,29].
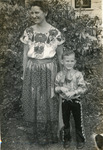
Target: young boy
[70,85]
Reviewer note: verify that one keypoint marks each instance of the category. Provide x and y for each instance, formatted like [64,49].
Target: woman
[42,48]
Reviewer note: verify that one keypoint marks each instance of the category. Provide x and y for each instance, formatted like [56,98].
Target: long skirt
[41,107]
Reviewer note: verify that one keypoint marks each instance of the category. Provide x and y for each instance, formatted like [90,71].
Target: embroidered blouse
[76,83]
[42,45]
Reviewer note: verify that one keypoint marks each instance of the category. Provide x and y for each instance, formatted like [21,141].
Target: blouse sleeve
[28,36]
[60,38]
[24,38]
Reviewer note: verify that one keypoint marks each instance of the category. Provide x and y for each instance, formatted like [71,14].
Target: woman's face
[38,14]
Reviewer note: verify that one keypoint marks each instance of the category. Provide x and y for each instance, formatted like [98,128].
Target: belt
[42,61]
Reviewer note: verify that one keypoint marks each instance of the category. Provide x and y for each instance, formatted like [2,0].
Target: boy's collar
[71,72]
[65,70]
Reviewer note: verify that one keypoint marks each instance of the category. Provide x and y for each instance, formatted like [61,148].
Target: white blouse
[42,45]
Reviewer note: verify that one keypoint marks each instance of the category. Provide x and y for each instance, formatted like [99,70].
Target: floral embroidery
[39,49]
[43,44]
[59,38]
[29,30]
[53,32]
[40,38]
[24,37]
[30,33]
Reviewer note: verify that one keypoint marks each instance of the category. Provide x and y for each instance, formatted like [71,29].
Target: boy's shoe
[66,144]
[80,145]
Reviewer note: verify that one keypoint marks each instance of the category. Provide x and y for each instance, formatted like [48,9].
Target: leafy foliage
[13,21]
[81,35]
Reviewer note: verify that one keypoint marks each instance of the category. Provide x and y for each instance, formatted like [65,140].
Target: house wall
[95,10]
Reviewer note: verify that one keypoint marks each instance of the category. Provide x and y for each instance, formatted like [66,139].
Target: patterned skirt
[40,106]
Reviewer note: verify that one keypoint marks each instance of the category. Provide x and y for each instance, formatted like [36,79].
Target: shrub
[81,35]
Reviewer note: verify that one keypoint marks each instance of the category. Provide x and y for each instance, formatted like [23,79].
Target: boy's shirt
[75,84]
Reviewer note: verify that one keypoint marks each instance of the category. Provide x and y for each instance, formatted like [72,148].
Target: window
[83,3]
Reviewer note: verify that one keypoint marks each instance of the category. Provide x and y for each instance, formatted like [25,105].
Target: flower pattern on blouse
[39,49]
[59,38]
[42,45]
[40,37]
[30,34]
[52,34]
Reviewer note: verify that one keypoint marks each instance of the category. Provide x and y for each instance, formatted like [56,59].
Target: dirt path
[14,136]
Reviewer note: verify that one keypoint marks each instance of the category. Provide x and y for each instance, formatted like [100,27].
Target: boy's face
[69,61]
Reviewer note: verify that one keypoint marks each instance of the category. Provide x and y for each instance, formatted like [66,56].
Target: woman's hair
[40,3]
[67,53]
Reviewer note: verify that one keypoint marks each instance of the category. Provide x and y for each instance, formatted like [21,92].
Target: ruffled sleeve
[24,39]
[55,37]
[28,36]
[60,38]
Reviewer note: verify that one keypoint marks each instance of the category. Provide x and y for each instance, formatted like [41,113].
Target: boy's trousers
[75,108]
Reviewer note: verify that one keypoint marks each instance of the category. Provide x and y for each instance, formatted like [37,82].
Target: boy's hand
[61,89]
[70,94]
[64,89]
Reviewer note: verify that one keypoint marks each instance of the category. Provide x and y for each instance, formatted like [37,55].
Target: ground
[14,135]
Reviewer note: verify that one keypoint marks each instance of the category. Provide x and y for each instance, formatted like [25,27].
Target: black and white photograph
[51,73]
